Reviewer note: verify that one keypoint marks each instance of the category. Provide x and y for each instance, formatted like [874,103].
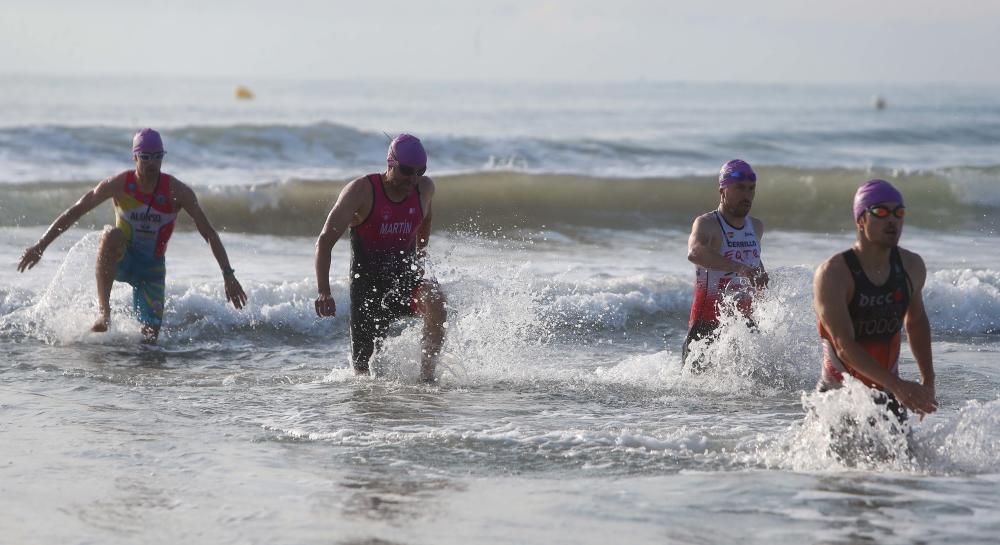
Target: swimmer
[146,202]
[388,215]
[725,246]
[865,296]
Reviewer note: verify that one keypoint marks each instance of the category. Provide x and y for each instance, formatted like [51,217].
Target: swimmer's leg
[430,303]
[369,324]
[110,253]
[148,297]
[699,330]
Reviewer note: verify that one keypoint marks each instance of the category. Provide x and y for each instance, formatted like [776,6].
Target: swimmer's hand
[757,276]
[325,306]
[234,291]
[916,397]
[30,257]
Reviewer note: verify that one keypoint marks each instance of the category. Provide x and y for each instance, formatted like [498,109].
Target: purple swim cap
[873,192]
[406,149]
[734,172]
[146,140]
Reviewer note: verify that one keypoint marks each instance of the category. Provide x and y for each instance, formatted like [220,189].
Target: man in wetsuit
[863,298]
[146,204]
[725,246]
[389,217]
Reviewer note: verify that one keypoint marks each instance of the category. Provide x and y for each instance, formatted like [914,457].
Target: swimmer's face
[738,198]
[881,231]
[148,163]
[404,177]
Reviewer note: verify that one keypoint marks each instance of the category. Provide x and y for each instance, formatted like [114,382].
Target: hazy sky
[586,40]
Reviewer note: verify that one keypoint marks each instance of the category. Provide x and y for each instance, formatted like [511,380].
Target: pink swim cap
[406,149]
[873,192]
[146,140]
[734,172]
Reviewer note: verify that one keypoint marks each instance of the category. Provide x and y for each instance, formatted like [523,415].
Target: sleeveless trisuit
[385,274]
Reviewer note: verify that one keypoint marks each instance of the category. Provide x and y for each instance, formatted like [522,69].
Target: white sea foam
[968,442]
[844,429]
[964,300]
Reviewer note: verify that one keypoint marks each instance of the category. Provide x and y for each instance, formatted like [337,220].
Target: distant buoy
[243,93]
[878,102]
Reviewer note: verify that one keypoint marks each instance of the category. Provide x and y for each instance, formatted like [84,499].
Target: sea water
[562,413]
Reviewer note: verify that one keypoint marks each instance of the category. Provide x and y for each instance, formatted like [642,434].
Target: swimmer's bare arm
[760,277]
[704,244]
[424,231]
[832,290]
[90,200]
[186,200]
[918,327]
[354,199]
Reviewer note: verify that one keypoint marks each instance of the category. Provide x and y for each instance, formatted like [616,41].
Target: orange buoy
[243,93]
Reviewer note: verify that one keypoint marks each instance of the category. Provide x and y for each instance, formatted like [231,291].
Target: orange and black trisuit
[877,313]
